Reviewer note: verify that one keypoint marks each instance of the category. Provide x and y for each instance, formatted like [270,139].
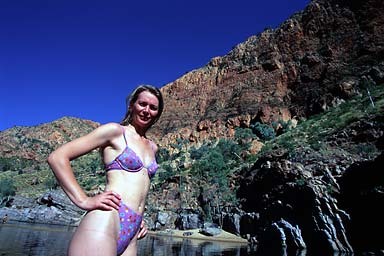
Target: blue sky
[82,58]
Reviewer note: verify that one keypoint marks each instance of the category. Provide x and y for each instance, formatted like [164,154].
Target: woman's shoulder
[112,125]
[111,129]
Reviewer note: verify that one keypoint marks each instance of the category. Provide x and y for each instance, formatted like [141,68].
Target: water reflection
[156,245]
[31,239]
[35,239]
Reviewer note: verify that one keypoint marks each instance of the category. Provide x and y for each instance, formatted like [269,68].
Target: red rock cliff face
[312,61]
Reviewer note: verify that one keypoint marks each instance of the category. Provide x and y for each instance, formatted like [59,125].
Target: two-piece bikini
[130,221]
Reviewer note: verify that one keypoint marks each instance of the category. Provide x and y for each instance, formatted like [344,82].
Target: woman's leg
[96,234]
[132,248]
[89,242]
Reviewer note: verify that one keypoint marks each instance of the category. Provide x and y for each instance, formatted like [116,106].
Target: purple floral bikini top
[129,161]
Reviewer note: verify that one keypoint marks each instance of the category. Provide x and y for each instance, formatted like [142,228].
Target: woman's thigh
[96,234]
[132,248]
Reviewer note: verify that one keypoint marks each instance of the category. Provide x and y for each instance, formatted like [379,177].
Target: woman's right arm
[59,161]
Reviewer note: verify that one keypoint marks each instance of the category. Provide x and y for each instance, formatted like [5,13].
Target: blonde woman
[114,219]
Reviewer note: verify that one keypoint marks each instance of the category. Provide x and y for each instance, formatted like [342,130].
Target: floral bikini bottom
[130,223]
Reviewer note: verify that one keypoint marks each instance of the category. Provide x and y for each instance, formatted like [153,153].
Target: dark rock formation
[362,196]
[188,219]
[285,190]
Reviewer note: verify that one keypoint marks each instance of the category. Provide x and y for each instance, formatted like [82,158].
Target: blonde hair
[132,98]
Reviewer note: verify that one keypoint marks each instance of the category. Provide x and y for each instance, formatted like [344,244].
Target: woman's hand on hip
[107,201]
[143,230]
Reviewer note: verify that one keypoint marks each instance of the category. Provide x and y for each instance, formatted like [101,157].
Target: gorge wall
[320,57]
[312,61]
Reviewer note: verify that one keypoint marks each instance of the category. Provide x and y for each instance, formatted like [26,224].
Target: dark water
[37,239]
[32,239]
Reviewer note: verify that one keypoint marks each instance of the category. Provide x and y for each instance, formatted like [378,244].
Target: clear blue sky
[82,58]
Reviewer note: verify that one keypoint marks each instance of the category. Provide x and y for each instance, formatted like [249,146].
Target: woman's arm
[59,161]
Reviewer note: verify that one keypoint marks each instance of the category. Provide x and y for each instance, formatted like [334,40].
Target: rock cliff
[316,186]
[314,60]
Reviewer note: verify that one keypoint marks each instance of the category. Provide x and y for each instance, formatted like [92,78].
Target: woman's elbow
[52,159]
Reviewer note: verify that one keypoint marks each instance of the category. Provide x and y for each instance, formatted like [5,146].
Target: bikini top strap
[153,146]
[125,139]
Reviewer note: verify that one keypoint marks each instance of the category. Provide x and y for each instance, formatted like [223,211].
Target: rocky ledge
[52,207]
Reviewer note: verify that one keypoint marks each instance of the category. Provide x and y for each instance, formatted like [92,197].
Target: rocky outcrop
[33,144]
[52,207]
[285,190]
[332,201]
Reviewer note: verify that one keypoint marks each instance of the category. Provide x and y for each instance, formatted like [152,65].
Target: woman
[114,222]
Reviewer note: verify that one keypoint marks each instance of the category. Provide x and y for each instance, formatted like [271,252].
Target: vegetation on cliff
[297,126]
[217,160]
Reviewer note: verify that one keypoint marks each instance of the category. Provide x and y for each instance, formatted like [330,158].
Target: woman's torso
[133,187]
[130,163]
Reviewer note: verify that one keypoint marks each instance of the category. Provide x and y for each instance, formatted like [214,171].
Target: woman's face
[145,109]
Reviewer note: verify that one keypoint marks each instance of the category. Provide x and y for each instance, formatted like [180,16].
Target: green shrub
[244,134]
[166,171]
[162,155]
[209,165]
[197,153]
[50,182]
[14,163]
[229,149]
[282,126]
[244,137]
[7,187]
[263,131]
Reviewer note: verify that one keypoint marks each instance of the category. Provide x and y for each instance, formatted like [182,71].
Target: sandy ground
[194,234]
